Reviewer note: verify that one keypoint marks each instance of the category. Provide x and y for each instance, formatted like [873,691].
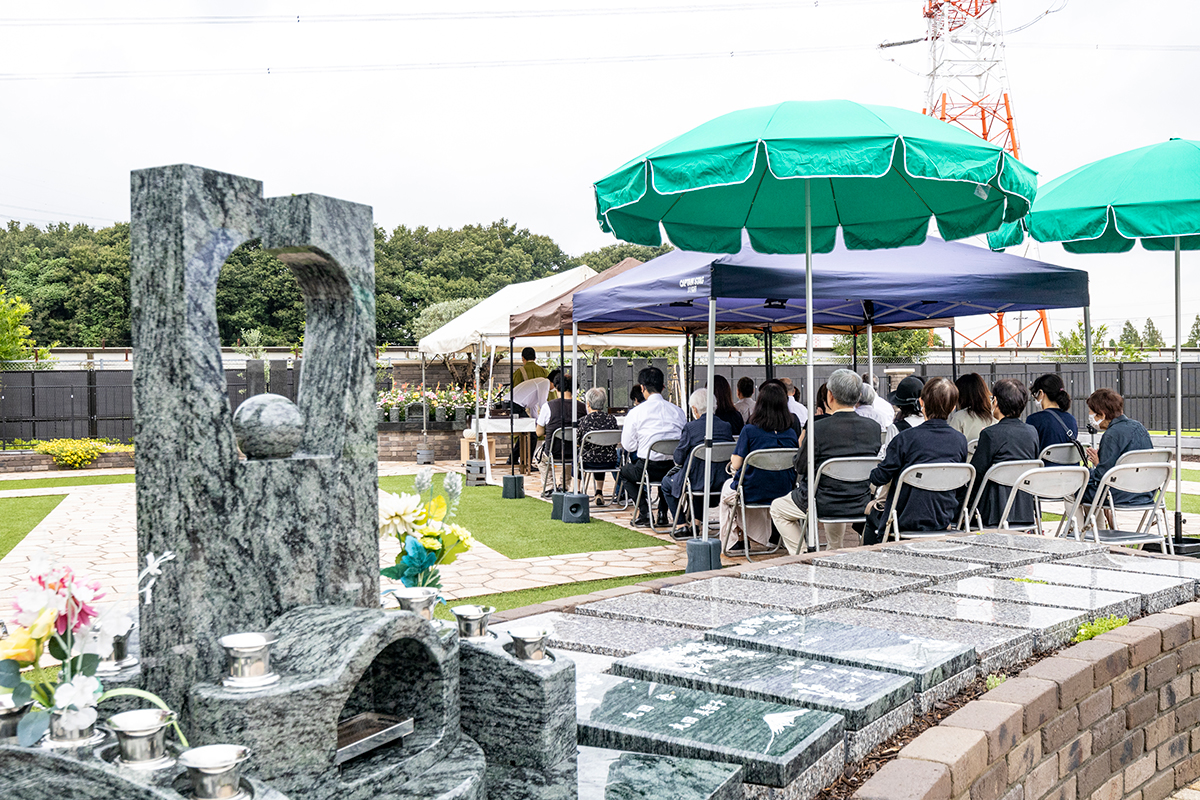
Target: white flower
[76,701]
[98,639]
[453,484]
[78,720]
[424,480]
[398,513]
[31,602]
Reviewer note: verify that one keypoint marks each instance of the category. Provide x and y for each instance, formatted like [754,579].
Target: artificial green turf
[1189,475]
[66,480]
[19,515]
[523,528]
[528,597]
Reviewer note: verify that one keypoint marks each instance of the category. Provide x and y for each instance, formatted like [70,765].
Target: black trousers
[631,475]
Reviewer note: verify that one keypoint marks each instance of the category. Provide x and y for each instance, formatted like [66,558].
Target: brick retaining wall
[1114,718]
[401,445]
[29,461]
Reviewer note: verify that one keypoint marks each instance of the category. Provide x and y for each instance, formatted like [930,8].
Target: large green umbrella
[1152,194]
[791,174]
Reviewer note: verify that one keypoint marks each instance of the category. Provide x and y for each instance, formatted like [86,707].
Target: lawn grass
[1189,475]
[523,528]
[66,480]
[503,601]
[19,515]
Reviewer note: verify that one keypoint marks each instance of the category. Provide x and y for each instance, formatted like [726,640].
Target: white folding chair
[560,436]
[772,459]
[972,446]
[1003,474]
[662,446]
[1154,512]
[1136,478]
[1065,455]
[1050,483]
[934,477]
[600,439]
[851,469]
[690,497]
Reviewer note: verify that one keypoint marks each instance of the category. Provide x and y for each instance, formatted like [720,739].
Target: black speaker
[556,505]
[703,555]
[575,508]
[514,487]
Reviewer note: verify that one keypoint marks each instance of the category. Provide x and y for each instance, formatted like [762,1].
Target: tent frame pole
[562,365]
[953,355]
[512,457]
[871,351]
[810,389]
[709,413]
[574,405]
[855,349]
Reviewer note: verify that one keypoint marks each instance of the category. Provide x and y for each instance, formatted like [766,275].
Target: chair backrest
[1136,478]
[972,446]
[722,452]
[938,477]
[1064,453]
[849,469]
[562,434]
[1006,473]
[1153,456]
[771,459]
[665,446]
[1051,483]
[600,439]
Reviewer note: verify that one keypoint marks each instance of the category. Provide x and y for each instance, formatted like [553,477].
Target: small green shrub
[71,453]
[1090,630]
[1028,580]
[995,680]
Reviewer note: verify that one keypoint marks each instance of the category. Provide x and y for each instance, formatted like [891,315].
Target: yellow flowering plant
[427,537]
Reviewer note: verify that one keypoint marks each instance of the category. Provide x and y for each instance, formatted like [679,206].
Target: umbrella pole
[708,415]
[562,365]
[574,404]
[1091,366]
[1178,404]
[953,356]
[810,388]
[512,457]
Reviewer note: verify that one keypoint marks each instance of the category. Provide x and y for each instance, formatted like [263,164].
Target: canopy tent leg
[562,366]
[424,409]
[574,404]
[708,415]
[769,352]
[810,389]
[480,437]
[953,356]
[856,349]
[691,341]
[1178,404]
[512,416]
[871,353]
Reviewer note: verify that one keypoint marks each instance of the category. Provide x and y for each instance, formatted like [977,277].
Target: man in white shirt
[651,421]
[885,412]
[800,412]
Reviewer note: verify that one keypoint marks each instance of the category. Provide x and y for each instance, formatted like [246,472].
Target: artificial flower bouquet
[427,536]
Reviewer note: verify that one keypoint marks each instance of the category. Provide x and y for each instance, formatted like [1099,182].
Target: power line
[49,211]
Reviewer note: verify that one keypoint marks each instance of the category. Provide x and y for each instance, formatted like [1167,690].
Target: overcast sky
[457,112]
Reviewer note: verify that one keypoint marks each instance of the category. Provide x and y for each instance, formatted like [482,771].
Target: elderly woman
[1121,434]
[597,457]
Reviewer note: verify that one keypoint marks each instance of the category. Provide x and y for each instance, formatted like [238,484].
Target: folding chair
[599,439]
[1154,511]
[662,446]
[1061,455]
[1135,478]
[1003,474]
[934,477]
[560,436]
[972,446]
[848,470]
[772,459]
[1050,483]
[721,453]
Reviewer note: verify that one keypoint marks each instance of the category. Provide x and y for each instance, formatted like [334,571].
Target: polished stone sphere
[268,426]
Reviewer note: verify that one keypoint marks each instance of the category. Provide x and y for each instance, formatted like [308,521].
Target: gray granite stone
[773,743]
[996,647]
[1158,592]
[557,782]
[927,661]
[683,612]
[459,776]
[1052,627]
[900,563]
[268,426]
[253,538]
[874,584]
[602,635]
[861,696]
[1149,565]
[521,713]
[1094,602]
[960,550]
[795,597]
[828,768]
[1051,545]
[616,775]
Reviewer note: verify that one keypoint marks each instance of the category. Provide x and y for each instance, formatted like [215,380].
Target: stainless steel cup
[473,620]
[141,736]
[10,717]
[120,649]
[215,770]
[60,733]
[419,599]
[529,644]
[249,654]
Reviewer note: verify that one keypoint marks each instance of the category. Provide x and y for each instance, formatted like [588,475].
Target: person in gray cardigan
[693,435]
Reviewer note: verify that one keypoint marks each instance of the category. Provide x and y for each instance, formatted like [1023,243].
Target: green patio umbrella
[1152,194]
[791,174]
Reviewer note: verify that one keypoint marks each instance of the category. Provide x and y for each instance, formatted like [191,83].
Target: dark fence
[72,404]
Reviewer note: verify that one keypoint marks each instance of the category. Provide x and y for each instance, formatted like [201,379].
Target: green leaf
[392,573]
[10,673]
[57,649]
[22,694]
[33,726]
[88,663]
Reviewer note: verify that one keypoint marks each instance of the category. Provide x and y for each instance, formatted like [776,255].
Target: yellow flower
[19,646]
[44,624]
[435,509]
[431,542]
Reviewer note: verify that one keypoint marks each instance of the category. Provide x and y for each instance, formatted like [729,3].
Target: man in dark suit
[1010,439]
[693,435]
[842,433]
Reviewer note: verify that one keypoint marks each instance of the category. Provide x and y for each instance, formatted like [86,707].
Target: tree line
[75,279]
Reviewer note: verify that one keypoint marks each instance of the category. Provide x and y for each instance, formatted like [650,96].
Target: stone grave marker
[1095,602]
[1158,592]
[958,550]
[872,584]
[797,598]
[892,560]
[683,612]
[1169,567]
[637,776]
[602,635]
[1063,548]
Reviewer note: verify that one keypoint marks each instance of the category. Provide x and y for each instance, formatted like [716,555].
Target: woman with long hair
[1054,423]
[974,406]
[770,426]
[725,409]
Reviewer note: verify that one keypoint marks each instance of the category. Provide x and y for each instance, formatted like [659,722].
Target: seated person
[794,404]
[974,406]
[693,435]
[1121,435]
[1010,439]
[906,401]
[555,415]
[1054,423]
[840,433]
[770,427]
[867,407]
[725,408]
[930,442]
[745,401]
[597,457]
[650,421]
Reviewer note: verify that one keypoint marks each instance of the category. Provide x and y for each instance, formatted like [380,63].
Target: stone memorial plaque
[683,612]
[601,636]
[1095,602]
[1052,627]
[797,598]
[607,774]
[861,696]
[773,743]
[928,662]
[899,563]
[1042,544]
[1149,565]
[995,647]
[1158,592]
[872,584]
[958,550]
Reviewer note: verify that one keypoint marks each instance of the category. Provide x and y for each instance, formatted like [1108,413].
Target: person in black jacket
[930,442]
[557,414]
[1121,434]
[693,435]
[841,433]
[1010,439]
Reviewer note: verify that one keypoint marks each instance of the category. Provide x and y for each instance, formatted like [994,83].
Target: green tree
[1193,339]
[438,314]
[1152,338]
[15,344]
[1074,343]
[257,291]
[896,346]
[1130,337]
[606,257]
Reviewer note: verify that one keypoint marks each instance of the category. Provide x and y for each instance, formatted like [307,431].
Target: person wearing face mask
[1054,423]
[1121,434]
